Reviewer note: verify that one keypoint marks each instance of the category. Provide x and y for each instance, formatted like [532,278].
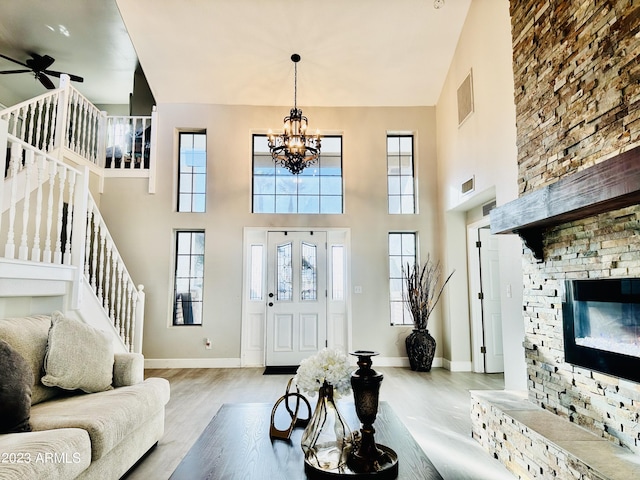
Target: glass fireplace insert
[601,324]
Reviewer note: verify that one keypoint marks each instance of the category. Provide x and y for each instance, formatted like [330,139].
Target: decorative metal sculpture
[274,432]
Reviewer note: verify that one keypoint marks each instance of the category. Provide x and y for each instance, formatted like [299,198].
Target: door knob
[270,295]
[271,304]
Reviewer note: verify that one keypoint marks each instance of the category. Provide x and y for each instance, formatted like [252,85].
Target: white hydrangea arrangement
[328,365]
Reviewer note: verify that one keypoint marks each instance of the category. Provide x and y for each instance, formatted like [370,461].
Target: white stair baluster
[46,134]
[22,118]
[101,266]
[23,251]
[40,113]
[107,278]
[41,165]
[55,104]
[71,177]
[112,291]
[46,254]
[120,301]
[95,250]
[88,245]
[57,253]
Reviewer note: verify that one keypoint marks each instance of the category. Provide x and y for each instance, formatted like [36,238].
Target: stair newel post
[63,110]
[4,130]
[79,222]
[14,165]
[23,251]
[138,326]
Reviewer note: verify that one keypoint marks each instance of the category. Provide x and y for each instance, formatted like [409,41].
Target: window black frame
[191,174]
[189,303]
[405,314]
[413,175]
[279,171]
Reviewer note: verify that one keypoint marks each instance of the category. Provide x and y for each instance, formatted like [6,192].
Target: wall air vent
[487,207]
[465,99]
[468,186]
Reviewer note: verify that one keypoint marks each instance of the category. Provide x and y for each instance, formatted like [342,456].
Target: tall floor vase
[421,348]
[327,438]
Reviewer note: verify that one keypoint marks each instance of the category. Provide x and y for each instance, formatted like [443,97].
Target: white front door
[297,296]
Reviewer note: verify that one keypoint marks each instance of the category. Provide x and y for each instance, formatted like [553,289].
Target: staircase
[54,243]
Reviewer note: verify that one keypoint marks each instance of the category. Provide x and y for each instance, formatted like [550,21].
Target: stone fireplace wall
[577,92]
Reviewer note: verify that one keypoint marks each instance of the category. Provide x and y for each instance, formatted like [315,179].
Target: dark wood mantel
[606,186]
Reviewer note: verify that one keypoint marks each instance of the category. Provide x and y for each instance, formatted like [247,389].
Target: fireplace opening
[601,324]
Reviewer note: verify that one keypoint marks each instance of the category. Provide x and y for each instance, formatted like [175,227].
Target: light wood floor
[434,406]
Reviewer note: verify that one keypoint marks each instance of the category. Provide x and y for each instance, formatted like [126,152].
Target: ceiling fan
[39,66]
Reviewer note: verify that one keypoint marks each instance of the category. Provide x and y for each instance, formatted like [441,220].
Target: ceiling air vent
[487,207]
[468,186]
[465,99]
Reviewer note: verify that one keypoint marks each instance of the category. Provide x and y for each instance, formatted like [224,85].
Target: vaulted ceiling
[354,53]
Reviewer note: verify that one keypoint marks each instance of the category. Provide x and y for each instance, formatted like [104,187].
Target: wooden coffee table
[236,445]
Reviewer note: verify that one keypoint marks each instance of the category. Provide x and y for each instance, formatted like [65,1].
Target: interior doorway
[484,291]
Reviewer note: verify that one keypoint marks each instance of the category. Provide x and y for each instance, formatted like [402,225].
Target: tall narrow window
[308,272]
[285,272]
[256,272]
[192,172]
[189,278]
[402,251]
[400,179]
[318,189]
[337,272]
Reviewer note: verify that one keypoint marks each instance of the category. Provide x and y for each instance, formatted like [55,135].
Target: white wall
[143,224]
[484,146]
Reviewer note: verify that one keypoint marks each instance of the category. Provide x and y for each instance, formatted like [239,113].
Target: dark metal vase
[421,348]
[368,457]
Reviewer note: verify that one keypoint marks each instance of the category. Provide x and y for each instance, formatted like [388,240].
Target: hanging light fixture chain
[295,85]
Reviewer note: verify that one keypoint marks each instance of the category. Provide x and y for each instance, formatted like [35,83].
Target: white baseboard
[191,363]
[457,366]
[235,363]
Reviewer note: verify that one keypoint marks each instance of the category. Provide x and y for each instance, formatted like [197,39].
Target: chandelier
[294,149]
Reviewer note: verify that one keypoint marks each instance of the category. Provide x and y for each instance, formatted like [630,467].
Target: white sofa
[75,434]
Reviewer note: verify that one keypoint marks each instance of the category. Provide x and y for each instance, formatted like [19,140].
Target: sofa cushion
[16,380]
[107,416]
[53,454]
[78,357]
[28,336]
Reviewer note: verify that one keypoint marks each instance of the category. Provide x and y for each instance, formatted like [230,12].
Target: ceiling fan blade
[15,71]
[46,81]
[72,77]
[39,63]
[14,61]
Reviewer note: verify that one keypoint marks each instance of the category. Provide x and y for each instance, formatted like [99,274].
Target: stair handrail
[34,121]
[107,274]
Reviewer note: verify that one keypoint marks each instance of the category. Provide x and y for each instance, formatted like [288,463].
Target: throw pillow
[78,357]
[16,379]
